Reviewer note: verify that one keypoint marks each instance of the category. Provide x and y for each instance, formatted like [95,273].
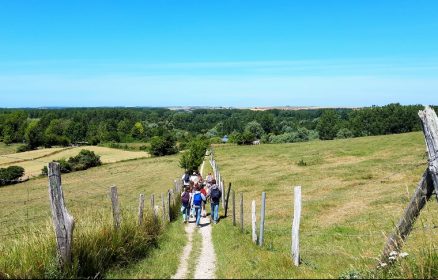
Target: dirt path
[206,266]
[183,268]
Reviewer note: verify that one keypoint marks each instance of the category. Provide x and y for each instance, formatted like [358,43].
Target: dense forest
[53,127]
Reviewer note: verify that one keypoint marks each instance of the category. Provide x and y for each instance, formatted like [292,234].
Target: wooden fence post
[234,207]
[262,220]
[228,197]
[254,222]
[152,202]
[116,207]
[223,194]
[63,222]
[241,212]
[418,201]
[140,209]
[169,197]
[296,226]
[429,120]
[163,207]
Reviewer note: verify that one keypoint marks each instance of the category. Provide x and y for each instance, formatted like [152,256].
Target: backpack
[187,178]
[215,195]
[185,198]
[197,199]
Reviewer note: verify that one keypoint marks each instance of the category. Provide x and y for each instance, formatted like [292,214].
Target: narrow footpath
[205,267]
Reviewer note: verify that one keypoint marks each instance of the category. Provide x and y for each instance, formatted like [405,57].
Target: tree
[34,135]
[163,145]
[194,156]
[328,125]
[255,129]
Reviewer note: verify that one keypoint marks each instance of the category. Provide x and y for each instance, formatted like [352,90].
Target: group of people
[197,193]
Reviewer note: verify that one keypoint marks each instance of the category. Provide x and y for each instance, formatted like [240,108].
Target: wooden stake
[262,220]
[412,211]
[115,207]
[254,222]
[234,207]
[430,129]
[140,209]
[63,222]
[152,202]
[296,226]
[169,197]
[241,212]
[163,207]
[228,197]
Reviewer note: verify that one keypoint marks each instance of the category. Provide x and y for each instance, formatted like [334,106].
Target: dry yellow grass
[26,205]
[34,161]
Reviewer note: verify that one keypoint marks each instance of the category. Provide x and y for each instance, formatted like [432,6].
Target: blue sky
[218,53]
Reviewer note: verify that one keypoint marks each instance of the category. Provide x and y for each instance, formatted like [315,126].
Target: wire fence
[278,218]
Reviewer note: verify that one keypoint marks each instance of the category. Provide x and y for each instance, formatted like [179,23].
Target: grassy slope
[353,191]
[27,204]
[161,263]
[8,149]
[33,161]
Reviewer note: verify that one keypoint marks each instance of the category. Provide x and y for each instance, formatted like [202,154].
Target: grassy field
[353,190]
[26,205]
[8,149]
[34,161]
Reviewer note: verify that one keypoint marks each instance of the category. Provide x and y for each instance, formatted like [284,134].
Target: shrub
[10,175]
[344,133]
[84,160]
[23,148]
[163,145]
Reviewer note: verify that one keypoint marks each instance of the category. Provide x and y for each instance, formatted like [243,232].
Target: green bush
[10,175]
[84,160]
[163,145]
[23,148]
[192,159]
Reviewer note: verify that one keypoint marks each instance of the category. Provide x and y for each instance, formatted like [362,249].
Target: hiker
[185,204]
[209,179]
[215,196]
[186,178]
[194,178]
[191,191]
[204,192]
[197,200]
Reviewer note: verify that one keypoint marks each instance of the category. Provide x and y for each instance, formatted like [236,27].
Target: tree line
[163,127]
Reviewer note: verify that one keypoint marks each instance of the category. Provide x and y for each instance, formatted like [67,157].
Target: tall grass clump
[97,246]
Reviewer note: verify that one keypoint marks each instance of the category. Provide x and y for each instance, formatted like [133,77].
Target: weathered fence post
[254,222]
[418,201]
[115,207]
[241,212]
[234,207]
[262,220]
[152,201]
[429,121]
[169,209]
[228,197]
[63,222]
[223,194]
[296,226]
[140,209]
[163,205]
[424,190]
